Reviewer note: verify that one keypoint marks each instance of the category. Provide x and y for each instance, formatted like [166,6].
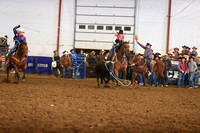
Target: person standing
[194,52]
[55,63]
[197,73]
[168,66]
[192,67]
[65,63]
[182,69]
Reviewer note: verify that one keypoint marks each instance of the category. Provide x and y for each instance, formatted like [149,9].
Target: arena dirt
[48,104]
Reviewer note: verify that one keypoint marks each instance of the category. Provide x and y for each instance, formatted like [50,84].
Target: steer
[103,70]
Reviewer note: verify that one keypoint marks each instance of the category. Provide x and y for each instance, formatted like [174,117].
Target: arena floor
[47,104]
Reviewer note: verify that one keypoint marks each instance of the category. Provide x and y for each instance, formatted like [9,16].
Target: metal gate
[97,21]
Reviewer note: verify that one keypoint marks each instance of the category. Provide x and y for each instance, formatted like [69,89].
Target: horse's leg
[116,74]
[98,80]
[8,71]
[16,74]
[24,73]
[134,76]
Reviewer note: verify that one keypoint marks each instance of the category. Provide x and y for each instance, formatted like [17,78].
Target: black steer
[103,70]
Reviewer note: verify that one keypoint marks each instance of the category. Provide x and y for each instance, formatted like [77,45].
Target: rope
[118,79]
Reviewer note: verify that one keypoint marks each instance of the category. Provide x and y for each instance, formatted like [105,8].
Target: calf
[103,70]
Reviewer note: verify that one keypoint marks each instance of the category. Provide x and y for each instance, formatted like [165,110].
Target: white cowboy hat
[20,30]
[65,53]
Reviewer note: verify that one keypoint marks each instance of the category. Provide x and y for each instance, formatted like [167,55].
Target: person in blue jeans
[168,66]
[140,79]
[148,52]
[192,67]
[182,69]
[19,37]
[197,72]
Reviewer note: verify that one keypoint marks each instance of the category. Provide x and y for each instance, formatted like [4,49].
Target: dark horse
[140,66]
[119,60]
[18,61]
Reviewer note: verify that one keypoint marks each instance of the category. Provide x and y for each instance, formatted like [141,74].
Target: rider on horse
[117,40]
[19,37]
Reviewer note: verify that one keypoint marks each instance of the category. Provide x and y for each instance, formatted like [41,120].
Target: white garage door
[98,20]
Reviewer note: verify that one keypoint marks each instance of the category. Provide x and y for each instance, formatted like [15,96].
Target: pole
[168,27]
[59,18]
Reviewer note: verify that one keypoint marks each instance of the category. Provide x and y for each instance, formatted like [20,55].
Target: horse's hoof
[107,86]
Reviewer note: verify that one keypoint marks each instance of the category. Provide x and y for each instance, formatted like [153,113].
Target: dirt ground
[48,104]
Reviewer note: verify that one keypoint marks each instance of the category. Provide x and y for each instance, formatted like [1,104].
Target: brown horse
[158,66]
[140,66]
[119,59]
[18,61]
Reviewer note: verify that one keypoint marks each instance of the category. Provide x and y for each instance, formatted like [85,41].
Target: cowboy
[101,56]
[56,59]
[65,63]
[182,69]
[194,52]
[168,66]
[19,37]
[175,53]
[1,58]
[184,51]
[192,67]
[3,40]
[73,55]
[188,51]
[147,54]
[117,39]
[197,72]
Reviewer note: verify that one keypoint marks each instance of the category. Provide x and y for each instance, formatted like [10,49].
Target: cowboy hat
[20,30]
[102,50]
[187,47]
[121,32]
[72,50]
[194,47]
[184,46]
[148,44]
[176,48]
[6,36]
[65,53]
[55,51]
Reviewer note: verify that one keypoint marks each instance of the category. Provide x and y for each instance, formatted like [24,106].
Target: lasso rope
[118,79]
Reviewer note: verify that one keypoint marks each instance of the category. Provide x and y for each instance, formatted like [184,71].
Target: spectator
[65,63]
[182,69]
[188,51]
[168,66]
[72,55]
[1,58]
[194,52]
[175,53]
[55,63]
[184,51]
[3,44]
[101,56]
[197,72]
[192,67]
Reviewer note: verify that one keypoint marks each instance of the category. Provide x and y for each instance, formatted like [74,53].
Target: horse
[158,66]
[119,59]
[140,67]
[18,61]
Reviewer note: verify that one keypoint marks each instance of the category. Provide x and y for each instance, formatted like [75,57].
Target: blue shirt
[18,36]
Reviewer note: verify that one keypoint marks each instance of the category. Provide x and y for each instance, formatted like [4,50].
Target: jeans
[140,79]
[181,79]
[191,79]
[163,81]
[64,69]
[111,52]
[12,50]
[153,78]
[197,79]
[148,64]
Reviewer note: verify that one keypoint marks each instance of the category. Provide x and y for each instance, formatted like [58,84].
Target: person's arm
[114,38]
[61,62]
[179,67]
[15,29]
[195,66]
[141,45]
[186,67]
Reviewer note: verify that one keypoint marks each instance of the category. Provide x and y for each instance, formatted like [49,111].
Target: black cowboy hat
[183,58]
[121,32]
[6,36]
[72,50]
[140,54]
[188,47]
[148,44]
[184,46]
[55,51]
[64,51]
[191,57]
[176,48]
